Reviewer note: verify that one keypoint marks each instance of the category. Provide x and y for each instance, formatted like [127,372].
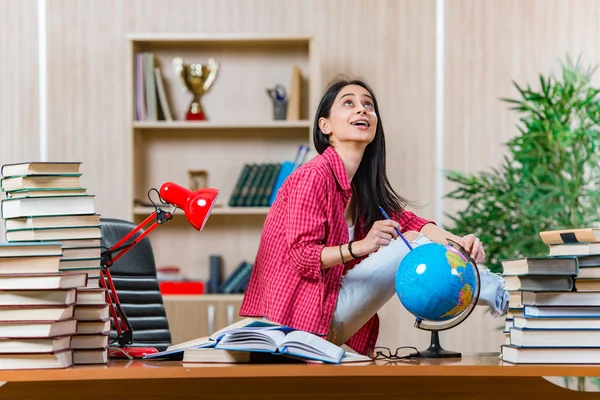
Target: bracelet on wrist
[350,250]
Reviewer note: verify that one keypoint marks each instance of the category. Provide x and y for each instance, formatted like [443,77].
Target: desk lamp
[196,206]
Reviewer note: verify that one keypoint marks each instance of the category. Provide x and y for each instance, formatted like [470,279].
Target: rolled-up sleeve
[409,221]
[306,222]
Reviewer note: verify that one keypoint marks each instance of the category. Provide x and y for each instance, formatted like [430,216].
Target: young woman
[327,257]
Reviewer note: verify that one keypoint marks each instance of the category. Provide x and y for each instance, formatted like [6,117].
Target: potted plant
[550,176]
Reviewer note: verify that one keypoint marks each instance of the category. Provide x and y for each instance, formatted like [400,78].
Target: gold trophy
[198,79]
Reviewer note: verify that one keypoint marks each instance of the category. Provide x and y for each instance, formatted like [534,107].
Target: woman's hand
[473,245]
[381,234]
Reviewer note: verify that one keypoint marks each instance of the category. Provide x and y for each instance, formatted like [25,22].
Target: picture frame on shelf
[197,179]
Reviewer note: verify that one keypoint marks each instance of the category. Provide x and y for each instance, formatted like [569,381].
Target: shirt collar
[337,166]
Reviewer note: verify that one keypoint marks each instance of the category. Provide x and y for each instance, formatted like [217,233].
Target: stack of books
[560,301]
[36,306]
[90,344]
[44,202]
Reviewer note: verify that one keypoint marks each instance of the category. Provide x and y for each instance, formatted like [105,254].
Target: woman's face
[352,117]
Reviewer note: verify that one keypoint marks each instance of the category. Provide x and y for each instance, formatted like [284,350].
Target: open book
[176,351]
[258,336]
[281,340]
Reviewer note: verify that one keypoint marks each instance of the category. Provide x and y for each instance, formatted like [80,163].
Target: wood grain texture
[342,388]
[183,328]
[467,367]
[19,115]
[491,43]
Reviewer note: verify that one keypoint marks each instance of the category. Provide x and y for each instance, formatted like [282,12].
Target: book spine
[151,105]
[266,195]
[247,184]
[286,170]
[257,190]
[237,190]
[235,272]
[238,279]
[214,280]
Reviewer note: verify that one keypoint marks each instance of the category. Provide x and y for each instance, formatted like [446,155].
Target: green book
[247,185]
[269,185]
[237,190]
[248,200]
[257,189]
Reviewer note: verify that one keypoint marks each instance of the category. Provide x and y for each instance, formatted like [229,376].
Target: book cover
[40,168]
[568,236]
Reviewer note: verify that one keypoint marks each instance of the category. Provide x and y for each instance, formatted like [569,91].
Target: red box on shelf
[183,287]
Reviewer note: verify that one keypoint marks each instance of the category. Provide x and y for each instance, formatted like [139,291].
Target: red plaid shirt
[287,285]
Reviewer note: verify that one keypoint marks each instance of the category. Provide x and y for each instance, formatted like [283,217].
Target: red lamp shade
[196,205]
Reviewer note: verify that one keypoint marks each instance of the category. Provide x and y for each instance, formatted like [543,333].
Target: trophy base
[190,116]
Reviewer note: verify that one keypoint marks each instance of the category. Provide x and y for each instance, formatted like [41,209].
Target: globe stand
[435,350]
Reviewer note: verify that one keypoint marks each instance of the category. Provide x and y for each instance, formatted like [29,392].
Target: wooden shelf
[215,211]
[180,40]
[203,297]
[209,125]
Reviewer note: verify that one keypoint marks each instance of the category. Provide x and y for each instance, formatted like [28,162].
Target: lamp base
[129,353]
[435,350]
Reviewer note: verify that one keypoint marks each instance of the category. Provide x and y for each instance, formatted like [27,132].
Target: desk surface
[481,366]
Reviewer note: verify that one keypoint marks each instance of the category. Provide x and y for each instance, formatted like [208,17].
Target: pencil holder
[280,109]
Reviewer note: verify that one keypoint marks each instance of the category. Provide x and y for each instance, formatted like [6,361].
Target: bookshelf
[210,126]
[145,211]
[239,129]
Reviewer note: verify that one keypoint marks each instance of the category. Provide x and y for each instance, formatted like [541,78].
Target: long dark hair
[370,184]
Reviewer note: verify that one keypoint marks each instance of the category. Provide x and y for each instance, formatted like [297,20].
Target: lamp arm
[110,256]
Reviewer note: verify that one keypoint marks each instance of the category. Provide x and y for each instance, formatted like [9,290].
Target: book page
[251,339]
[245,323]
[300,340]
[350,356]
[200,342]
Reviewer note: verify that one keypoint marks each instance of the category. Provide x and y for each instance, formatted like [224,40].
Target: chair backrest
[134,277]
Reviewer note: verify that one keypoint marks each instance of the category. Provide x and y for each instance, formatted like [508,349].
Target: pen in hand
[397,230]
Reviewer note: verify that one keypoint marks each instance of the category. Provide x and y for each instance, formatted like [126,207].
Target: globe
[438,283]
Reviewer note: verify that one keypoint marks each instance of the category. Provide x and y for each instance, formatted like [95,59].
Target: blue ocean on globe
[435,282]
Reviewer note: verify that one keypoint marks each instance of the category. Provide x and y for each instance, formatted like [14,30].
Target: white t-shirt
[351,232]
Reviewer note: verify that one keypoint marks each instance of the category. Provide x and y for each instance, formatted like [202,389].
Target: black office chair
[134,277]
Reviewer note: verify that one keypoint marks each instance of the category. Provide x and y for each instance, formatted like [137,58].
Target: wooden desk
[469,378]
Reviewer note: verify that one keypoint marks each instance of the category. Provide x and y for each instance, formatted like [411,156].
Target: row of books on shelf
[258,183]
[151,103]
[554,301]
[53,312]
[236,282]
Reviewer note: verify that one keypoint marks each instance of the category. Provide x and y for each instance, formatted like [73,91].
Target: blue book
[564,312]
[286,170]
